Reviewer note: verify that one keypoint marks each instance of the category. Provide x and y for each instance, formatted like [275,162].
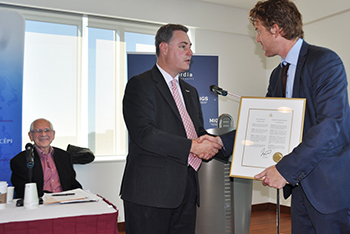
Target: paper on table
[79,196]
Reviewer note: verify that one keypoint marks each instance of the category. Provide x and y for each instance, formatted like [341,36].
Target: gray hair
[31,129]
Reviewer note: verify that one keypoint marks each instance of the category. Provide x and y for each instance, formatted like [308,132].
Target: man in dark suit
[53,169]
[160,185]
[317,170]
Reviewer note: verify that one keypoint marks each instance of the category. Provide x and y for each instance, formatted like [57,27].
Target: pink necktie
[193,161]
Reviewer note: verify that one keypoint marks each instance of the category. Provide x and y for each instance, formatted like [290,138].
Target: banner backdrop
[11,82]
[203,72]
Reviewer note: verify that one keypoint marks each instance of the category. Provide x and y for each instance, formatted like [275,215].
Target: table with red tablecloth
[78,218]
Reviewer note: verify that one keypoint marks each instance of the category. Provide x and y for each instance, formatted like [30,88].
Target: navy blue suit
[320,165]
[321,162]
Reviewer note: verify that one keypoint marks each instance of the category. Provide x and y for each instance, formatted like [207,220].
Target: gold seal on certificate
[277,157]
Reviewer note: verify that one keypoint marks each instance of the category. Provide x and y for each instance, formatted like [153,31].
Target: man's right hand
[205,149]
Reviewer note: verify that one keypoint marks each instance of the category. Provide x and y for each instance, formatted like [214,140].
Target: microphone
[218,90]
[222,92]
[30,155]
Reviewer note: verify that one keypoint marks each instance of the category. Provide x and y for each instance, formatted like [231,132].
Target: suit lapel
[164,90]
[277,87]
[38,170]
[300,65]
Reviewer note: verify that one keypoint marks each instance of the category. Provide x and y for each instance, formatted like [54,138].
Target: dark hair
[165,34]
[284,13]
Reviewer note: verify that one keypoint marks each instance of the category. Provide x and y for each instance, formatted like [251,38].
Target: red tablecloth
[77,218]
[86,224]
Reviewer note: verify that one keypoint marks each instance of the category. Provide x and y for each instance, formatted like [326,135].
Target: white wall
[103,178]
[188,12]
[241,69]
[332,32]
[220,30]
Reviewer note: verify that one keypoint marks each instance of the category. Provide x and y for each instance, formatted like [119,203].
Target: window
[101,91]
[108,43]
[75,74]
[50,78]
[137,42]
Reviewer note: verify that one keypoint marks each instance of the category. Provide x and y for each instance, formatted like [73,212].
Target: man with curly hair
[317,170]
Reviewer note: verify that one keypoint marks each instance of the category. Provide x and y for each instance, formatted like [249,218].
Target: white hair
[31,129]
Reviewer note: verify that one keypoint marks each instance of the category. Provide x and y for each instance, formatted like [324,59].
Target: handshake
[206,147]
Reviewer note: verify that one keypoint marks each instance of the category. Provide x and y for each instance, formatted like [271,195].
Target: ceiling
[245,4]
[312,10]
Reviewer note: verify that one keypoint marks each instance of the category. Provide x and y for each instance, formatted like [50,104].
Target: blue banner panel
[11,86]
[202,73]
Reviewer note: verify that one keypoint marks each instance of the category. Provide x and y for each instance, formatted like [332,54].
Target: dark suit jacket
[63,164]
[321,163]
[156,168]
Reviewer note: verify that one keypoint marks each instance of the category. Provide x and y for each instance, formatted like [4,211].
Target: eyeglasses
[46,130]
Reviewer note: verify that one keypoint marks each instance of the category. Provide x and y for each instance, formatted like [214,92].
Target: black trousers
[141,219]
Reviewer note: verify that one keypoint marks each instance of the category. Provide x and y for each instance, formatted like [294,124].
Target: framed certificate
[267,129]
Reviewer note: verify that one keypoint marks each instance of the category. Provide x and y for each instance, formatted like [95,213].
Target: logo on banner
[5,141]
[186,76]
[204,99]
[213,122]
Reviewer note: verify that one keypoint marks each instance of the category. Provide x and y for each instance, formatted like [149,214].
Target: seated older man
[53,169]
